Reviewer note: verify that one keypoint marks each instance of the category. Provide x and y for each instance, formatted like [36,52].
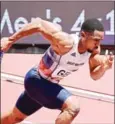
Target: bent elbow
[95,78]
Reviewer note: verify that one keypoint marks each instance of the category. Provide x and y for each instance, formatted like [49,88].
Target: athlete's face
[92,41]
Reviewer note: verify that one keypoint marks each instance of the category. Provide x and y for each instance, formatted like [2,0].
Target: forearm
[98,72]
[25,31]
[47,29]
[28,29]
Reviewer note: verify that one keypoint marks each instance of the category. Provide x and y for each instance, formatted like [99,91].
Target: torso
[55,67]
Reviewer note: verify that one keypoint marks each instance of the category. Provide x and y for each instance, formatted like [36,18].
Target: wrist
[11,40]
[105,67]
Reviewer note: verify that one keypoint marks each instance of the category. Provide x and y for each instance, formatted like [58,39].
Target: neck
[81,47]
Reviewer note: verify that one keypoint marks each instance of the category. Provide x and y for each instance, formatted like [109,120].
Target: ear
[82,33]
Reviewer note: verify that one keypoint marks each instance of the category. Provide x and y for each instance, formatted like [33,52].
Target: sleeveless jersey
[55,67]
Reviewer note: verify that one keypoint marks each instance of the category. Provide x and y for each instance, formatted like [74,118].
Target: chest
[73,60]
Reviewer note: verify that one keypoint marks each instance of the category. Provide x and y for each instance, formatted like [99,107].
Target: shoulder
[75,37]
[64,39]
[63,42]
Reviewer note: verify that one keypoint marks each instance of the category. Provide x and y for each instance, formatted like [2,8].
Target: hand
[108,60]
[5,44]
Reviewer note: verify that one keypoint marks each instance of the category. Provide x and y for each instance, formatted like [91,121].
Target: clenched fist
[5,44]
[108,61]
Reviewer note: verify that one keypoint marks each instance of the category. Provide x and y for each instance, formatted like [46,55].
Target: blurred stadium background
[69,14]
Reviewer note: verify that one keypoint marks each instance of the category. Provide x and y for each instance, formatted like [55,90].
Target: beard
[91,50]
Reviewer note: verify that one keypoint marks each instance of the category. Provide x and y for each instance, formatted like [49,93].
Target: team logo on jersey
[73,54]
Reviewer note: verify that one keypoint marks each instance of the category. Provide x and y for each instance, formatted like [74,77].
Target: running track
[92,111]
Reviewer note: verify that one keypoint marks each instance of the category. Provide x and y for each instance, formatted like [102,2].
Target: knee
[13,117]
[10,119]
[73,110]
[17,116]
[72,106]
[16,119]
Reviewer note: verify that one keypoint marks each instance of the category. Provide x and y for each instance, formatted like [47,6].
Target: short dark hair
[90,25]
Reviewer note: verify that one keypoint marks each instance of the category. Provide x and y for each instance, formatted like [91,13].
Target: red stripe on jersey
[44,69]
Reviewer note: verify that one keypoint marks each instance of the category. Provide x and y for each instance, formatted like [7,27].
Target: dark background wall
[70,15]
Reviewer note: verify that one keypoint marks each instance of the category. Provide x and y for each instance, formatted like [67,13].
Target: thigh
[60,98]
[48,94]
[26,105]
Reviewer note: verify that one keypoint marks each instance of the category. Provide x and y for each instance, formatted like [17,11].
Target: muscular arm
[60,41]
[97,67]
[98,64]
